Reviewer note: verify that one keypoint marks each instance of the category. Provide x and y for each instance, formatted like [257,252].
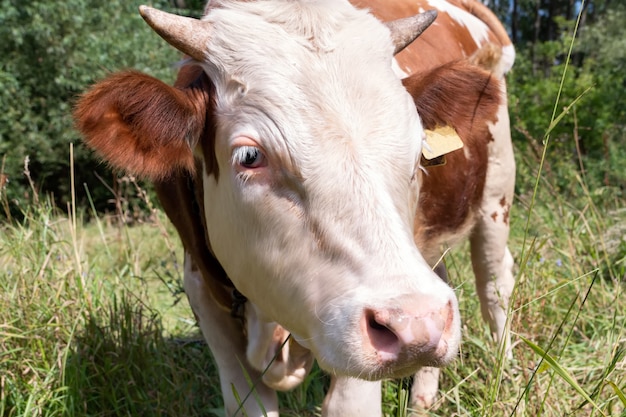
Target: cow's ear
[458,94]
[141,125]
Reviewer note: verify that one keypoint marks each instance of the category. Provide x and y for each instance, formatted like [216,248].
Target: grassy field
[93,321]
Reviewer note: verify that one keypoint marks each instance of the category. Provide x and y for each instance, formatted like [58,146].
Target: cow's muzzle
[411,334]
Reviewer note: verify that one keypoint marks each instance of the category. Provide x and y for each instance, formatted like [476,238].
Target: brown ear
[458,94]
[142,125]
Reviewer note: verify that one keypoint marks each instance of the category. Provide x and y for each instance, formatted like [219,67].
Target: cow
[290,155]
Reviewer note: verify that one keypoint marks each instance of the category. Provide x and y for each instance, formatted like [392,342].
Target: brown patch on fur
[505,214]
[494,216]
[141,125]
[182,195]
[465,97]
[446,40]
[507,208]
[185,209]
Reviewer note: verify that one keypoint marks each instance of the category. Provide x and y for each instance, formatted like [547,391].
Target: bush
[590,141]
[51,51]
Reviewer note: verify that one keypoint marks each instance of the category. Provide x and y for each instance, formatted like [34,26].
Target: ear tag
[435,162]
[441,141]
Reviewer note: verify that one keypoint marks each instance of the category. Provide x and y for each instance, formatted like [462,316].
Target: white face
[311,214]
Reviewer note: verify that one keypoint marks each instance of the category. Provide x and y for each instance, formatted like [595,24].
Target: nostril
[381,337]
[376,325]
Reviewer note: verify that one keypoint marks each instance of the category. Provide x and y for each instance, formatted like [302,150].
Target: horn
[188,35]
[406,30]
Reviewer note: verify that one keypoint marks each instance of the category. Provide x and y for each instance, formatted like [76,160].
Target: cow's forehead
[321,71]
[291,37]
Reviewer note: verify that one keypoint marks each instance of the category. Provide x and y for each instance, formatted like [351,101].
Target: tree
[591,139]
[51,50]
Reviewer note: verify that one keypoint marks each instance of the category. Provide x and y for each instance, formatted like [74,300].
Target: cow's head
[310,148]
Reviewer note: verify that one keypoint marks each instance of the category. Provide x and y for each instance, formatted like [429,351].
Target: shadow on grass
[120,364]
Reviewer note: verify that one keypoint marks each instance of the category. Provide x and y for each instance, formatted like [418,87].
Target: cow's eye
[249,157]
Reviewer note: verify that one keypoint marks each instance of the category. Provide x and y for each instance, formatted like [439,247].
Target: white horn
[188,35]
[406,30]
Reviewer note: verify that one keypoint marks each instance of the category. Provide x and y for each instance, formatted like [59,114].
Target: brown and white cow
[288,155]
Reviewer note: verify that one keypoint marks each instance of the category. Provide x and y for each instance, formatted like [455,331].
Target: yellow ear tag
[441,141]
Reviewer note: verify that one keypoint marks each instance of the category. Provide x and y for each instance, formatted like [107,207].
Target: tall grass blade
[73,225]
[402,398]
[239,400]
[562,372]
[97,219]
[251,391]
[615,360]
[569,335]
[620,394]
[541,366]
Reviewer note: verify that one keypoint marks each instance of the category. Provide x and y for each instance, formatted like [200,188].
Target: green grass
[80,333]
[92,321]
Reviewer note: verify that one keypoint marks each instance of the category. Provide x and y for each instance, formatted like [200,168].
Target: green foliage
[51,51]
[590,141]
[604,49]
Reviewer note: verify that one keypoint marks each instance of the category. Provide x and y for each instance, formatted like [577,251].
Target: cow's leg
[491,259]
[493,267]
[350,397]
[424,390]
[228,345]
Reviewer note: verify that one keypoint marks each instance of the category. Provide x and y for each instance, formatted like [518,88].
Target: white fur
[508,58]
[492,260]
[325,228]
[270,350]
[350,397]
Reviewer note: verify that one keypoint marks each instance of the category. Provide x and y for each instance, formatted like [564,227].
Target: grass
[91,323]
[79,328]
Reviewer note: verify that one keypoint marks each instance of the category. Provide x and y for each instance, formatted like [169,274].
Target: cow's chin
[380,370]
[372,366]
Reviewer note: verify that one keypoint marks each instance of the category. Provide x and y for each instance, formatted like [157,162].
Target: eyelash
[249,157]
